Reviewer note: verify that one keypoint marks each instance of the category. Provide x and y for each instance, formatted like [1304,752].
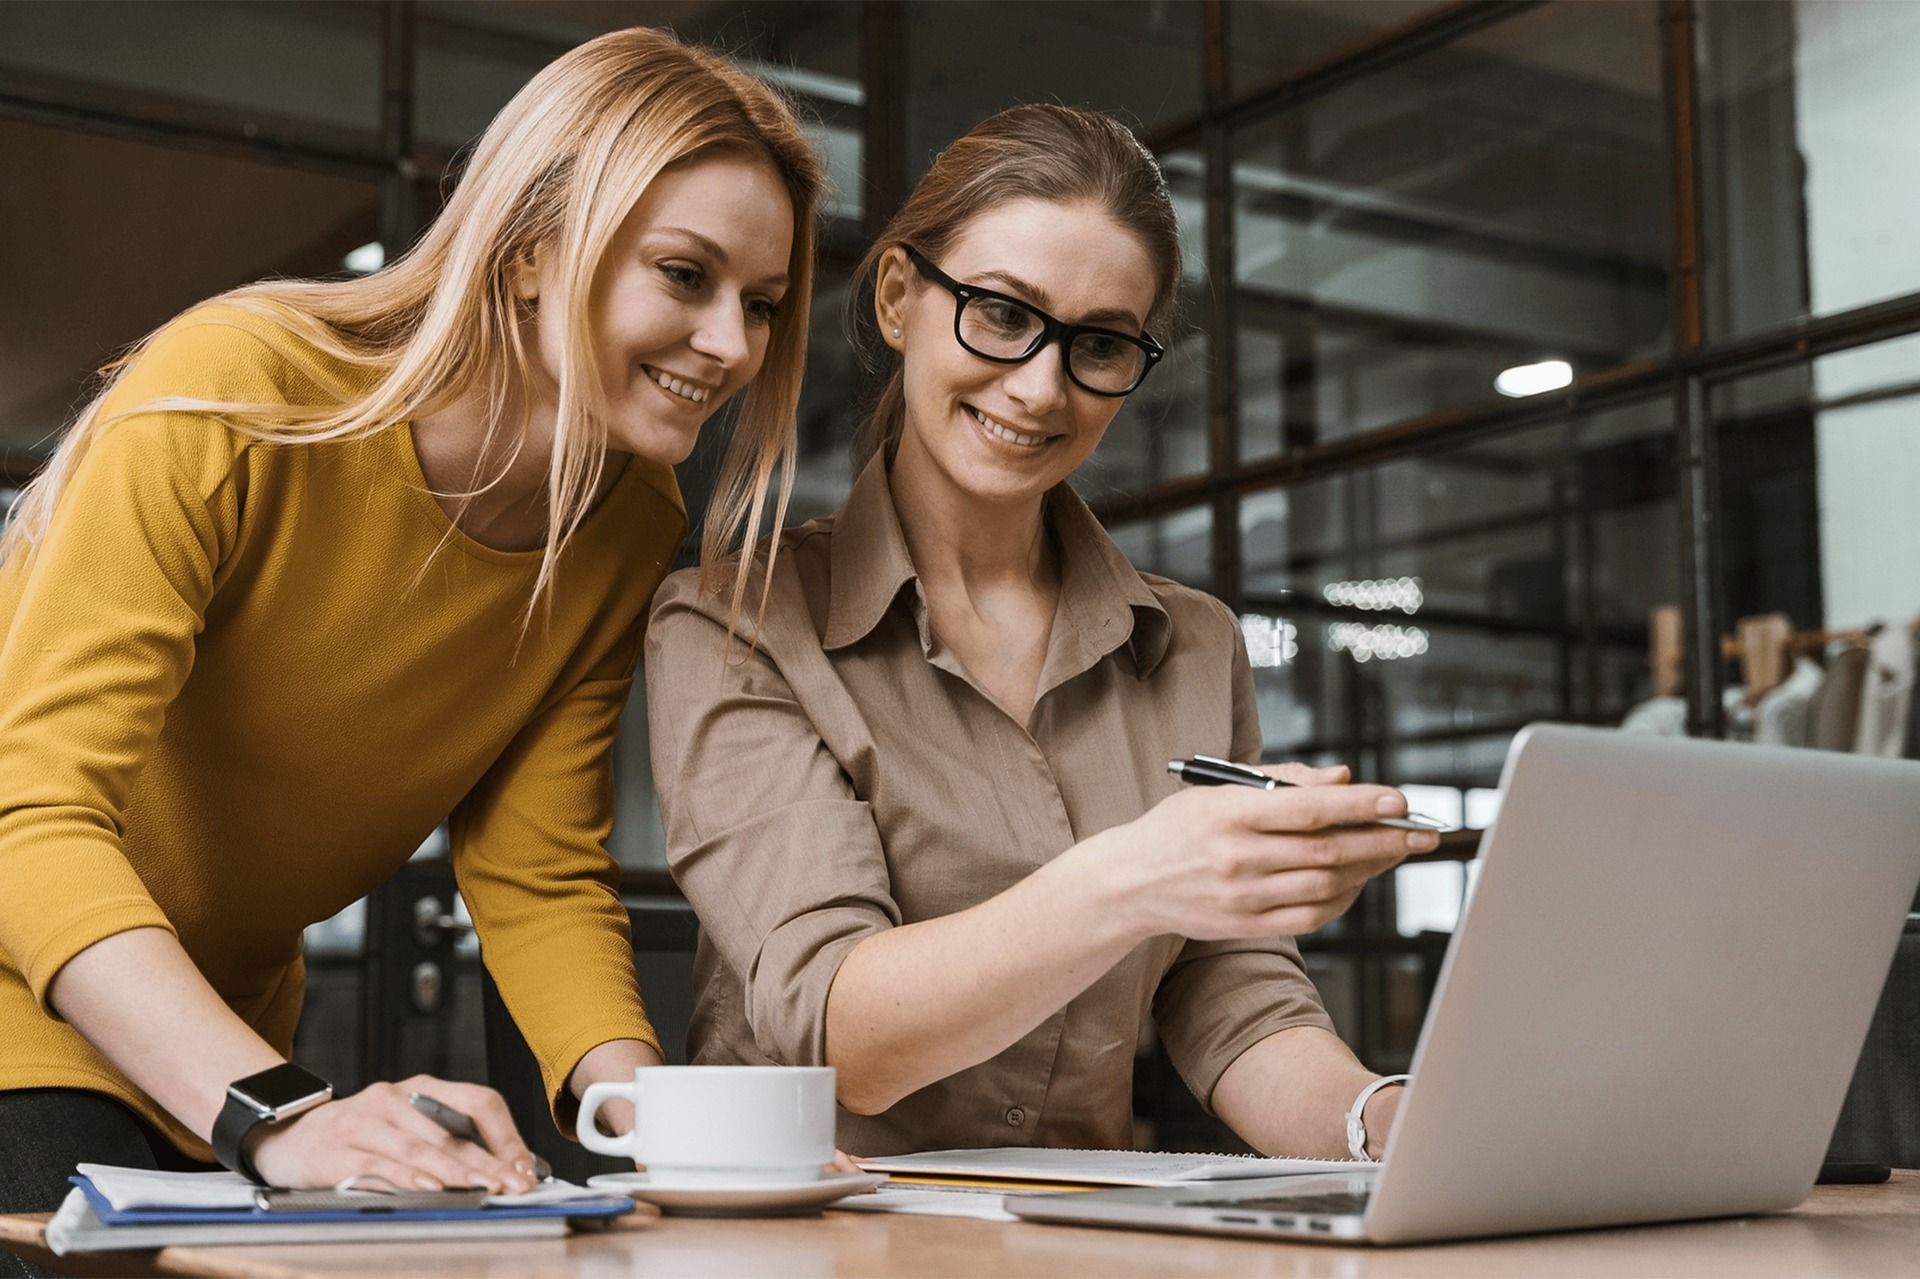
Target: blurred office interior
[1541,360]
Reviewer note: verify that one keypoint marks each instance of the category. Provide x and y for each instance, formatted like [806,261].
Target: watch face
[282,1088]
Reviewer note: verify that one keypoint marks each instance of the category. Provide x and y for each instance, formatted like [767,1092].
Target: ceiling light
[1382,642]
[369,258]
[1533,379]
[1402,593]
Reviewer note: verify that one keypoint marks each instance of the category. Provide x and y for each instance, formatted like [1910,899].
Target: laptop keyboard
[1339,1203]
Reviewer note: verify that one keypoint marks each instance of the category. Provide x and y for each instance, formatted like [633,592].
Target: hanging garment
[1781,718]
[1657,717]
[1835,713]
[1886,694]
[1736,715]
[1667,716]
[1912,750]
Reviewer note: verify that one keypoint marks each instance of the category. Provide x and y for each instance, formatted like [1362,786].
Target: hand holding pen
[1211,770]
[381,1132]
[459,1124]
[1241,859]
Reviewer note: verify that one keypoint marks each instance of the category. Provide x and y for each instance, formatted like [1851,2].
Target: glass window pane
[473,57]
[1178,546]
[1497,202]
[1161,431]
[1271,39]
[1817,521]
[121,236]
[830,401]
[301,63]
[1451,597]
[967,59]
[1807,183]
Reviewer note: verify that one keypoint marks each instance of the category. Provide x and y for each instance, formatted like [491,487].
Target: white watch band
[1357,1124]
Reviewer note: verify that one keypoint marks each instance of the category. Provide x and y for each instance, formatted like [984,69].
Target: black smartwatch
[270,1097]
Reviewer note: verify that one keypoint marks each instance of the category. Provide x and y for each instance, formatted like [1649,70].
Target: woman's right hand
[1230,862]
[377,1131]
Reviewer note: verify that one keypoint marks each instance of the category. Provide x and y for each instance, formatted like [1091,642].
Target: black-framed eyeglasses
[1006,330]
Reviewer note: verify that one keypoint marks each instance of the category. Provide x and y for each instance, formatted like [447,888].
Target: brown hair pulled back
[1063,155]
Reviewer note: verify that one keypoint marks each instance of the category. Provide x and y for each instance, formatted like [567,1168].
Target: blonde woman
[326,562]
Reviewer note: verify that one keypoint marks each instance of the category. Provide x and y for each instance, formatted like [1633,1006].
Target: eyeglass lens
[1004,330]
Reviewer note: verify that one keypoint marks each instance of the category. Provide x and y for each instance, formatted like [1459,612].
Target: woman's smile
[1001,433]
[688,392]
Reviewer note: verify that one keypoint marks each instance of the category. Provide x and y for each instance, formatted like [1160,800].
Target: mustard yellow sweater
[232,702]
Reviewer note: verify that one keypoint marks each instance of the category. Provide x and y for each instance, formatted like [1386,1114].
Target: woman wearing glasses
[923,811]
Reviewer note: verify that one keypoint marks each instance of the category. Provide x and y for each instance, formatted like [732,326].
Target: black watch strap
[272,1096]
[230,1130]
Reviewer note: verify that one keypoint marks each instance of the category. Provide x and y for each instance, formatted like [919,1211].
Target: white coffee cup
[721,1125]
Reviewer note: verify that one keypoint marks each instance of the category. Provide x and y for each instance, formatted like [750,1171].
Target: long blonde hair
[557,170]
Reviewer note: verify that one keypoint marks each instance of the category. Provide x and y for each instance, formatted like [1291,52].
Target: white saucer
[744,1199]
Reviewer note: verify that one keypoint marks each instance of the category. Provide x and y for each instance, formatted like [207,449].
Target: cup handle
[589,1133]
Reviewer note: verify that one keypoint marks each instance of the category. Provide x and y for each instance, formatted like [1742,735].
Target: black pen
[1211,770]
[461,1125]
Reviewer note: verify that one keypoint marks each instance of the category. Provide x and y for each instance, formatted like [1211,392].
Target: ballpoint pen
[461,1125]
[1211,770]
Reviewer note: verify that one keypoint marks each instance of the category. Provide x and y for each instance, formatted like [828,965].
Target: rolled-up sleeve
[1220,998]
[782,863]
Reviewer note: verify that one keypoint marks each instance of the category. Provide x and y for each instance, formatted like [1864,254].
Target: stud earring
[896,333]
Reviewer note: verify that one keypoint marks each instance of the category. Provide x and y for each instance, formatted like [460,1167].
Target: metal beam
[883,118]
[1223,391]
[1637,380]
[1389,47]
[155,120]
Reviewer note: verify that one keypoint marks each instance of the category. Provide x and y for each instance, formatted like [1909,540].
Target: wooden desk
[1855,1231]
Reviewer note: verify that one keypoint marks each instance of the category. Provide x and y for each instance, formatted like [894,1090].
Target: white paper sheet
[929,1202]
[1097,1167]
[127,1188]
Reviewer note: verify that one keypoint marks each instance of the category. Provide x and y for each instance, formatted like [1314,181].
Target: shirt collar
[868,559]
[1102,597]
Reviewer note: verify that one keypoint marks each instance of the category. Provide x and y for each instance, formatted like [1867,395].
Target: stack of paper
[114,1208]
[1046,1168]
[975,1183]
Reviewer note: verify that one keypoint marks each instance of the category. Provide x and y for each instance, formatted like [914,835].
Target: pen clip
[1217,762]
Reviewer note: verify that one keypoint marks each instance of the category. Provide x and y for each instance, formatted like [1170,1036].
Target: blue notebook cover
[603,1209]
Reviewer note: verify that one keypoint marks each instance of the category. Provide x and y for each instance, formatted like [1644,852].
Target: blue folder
[598,1210]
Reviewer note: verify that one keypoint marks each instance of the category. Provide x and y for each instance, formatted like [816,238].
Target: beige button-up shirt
[848,777]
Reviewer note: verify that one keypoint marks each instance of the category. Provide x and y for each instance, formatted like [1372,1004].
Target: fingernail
[1422,841]
[427,1183]
[1392,805]
[524,1167]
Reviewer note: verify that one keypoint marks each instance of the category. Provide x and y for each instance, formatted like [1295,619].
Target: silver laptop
[1651,1010]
